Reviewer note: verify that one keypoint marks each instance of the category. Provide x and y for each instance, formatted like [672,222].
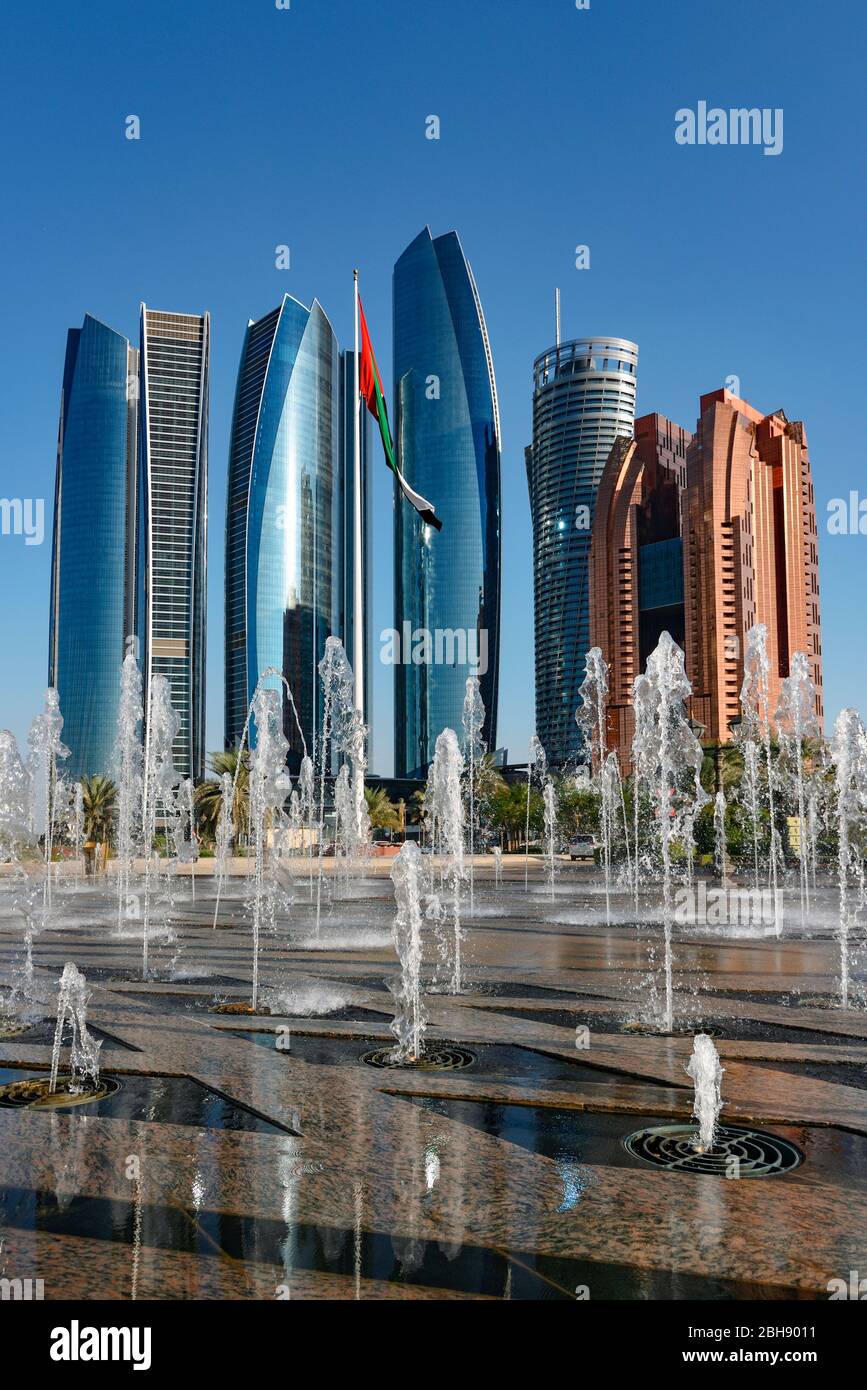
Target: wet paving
[271,1162]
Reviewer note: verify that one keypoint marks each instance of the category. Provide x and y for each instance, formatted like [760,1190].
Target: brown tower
[750,554]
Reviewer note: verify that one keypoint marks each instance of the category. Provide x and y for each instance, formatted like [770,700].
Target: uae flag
[370,386]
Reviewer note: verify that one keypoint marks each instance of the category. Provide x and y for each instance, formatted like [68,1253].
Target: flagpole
[358,534]
[360,759]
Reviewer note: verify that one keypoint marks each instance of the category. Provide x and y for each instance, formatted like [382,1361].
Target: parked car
[582,847]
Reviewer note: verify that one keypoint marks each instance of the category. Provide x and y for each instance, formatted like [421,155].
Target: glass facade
[92,604]
[284,560]
[583,399]
[172,519]
[447,583]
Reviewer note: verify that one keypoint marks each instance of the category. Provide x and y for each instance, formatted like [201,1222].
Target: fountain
[796,721]
[670,749]
[128,761]
[72,1003]
[591,718]
[536,763]
[45,749]
[448,817]
[498,866]
[225,832]
[755,731]
[343,732]
[706,1070]
[719,836]
[549,796]
[159,780]
[83,1082]
[409,1020]
[473,719]
[849,756]
[270,785]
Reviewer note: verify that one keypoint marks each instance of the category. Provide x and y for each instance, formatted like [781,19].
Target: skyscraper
[583,400]
[447,583]
[636,561]
[750,554]
[92,573]
[171,559]
[289,516]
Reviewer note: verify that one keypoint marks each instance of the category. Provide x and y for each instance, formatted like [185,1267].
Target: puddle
[171,1100]
[510,1064]
[357,1255]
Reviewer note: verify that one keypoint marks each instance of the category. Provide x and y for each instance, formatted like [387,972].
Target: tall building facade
[172,511]
[750,555]
[447,583]
[289,512]
[92,608]
[583,400]
[636,561]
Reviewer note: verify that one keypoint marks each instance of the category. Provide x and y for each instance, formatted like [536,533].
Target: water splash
[537,765]
[270,785]
[591,718]
[45,750]
[849,756]
[448,822]
[72,1001]
[706,1070]
[796,721]
[129,763]
[159,780]
[409,1020]
[755,730]
[473,719]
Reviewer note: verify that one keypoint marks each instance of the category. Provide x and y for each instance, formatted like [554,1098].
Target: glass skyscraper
[447,583]
[92,575]
[171,562]
[583,399]
[289,515]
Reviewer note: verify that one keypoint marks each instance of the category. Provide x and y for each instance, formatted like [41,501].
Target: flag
[371,389]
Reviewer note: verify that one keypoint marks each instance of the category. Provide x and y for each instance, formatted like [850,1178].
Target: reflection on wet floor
[174,1100]
[438,1183]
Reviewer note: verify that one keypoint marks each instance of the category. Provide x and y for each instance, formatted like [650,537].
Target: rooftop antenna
[557,315]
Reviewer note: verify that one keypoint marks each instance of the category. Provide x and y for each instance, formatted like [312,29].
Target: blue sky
[306,127]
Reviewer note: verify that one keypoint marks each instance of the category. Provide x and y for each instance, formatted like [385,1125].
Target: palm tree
[383,813]
[98,797]
[208,797]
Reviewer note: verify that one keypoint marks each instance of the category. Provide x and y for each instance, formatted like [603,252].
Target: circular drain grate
[438,1057]
[757,1153]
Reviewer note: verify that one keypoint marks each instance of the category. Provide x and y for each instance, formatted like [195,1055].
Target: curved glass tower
[583,399]
[282,515]
[92,589]
[447,584]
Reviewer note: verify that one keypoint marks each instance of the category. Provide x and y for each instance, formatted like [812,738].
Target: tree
[506,811]
[98,798]
[208,797]
[384,815]
[577,809]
